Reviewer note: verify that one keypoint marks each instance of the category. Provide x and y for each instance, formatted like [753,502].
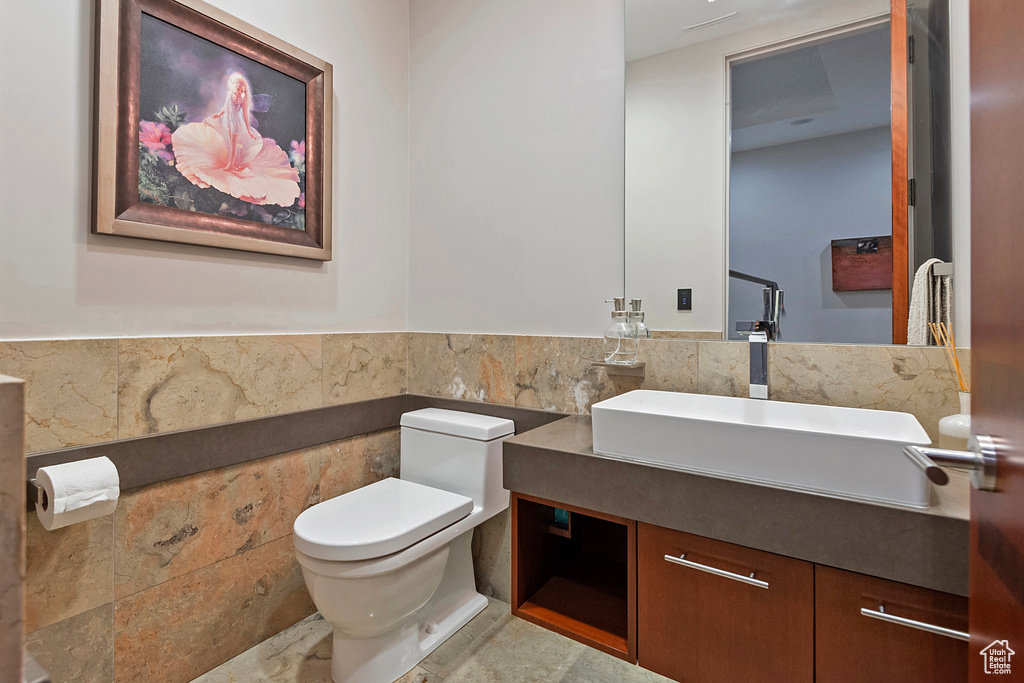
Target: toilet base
[391,655]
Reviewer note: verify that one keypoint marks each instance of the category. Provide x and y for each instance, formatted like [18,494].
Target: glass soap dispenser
[636,316]
[620,342]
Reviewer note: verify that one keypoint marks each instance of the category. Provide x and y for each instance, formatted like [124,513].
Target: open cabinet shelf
[578,581]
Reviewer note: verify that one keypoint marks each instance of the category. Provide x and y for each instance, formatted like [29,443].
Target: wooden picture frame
[240,204]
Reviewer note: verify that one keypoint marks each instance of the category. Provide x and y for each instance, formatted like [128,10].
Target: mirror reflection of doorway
[810,187]
[809,86]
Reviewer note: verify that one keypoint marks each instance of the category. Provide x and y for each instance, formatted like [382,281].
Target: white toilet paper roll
[77,491]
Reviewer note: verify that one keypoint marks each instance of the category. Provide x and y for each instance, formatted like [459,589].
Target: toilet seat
[376,520]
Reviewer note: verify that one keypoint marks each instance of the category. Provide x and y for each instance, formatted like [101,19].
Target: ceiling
[841,85]
[656,26]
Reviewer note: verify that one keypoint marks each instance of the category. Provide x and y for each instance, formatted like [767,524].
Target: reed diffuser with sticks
[954,430]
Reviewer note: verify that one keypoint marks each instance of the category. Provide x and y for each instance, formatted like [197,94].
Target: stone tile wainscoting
[12,527]
[191,572]
[188,573]
[554,373]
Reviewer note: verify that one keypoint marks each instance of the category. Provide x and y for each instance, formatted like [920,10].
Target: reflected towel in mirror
[931,301]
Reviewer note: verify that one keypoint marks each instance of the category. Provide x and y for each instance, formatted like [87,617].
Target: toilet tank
[458,452]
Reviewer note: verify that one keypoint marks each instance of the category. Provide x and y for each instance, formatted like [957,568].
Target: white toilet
[389,565]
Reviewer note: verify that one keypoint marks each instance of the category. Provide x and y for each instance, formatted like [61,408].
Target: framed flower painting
[210,131]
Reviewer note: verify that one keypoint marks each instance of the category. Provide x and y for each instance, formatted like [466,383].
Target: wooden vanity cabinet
[697,626]
[578,580]
[695,609]
[853,648]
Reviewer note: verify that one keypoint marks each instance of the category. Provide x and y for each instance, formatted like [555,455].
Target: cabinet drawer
[854,648]
[695,625]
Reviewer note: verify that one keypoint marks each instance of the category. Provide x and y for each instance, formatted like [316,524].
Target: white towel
[931,301]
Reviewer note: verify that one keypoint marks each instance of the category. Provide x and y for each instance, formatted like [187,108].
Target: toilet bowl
[389,565]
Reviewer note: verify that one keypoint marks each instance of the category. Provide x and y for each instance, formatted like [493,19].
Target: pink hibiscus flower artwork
[227,152]
[298,153]
[209,141]
[156,137]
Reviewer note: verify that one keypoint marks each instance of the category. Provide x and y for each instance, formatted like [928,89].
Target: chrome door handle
[882,615]
[979,461]
[717,572]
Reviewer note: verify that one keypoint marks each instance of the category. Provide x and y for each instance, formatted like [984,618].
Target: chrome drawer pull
[882,615]
[717,572]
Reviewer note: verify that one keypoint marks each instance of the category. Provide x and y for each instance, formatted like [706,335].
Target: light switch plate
[684,300]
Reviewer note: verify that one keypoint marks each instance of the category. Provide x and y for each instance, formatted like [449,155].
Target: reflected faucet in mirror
[774,308]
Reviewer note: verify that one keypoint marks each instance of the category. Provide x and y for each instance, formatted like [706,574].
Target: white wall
[960,125]
[675,167]
[787,203]
[56,280]
[516,163]
[513,158]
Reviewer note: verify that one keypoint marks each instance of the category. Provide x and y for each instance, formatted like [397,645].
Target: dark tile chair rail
[154,458]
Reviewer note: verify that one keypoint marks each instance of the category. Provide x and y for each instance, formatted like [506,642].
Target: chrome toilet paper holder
[36,494]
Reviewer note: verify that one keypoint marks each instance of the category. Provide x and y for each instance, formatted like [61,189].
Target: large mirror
[798,165]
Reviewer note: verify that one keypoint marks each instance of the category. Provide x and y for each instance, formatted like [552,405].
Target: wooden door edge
[900,172]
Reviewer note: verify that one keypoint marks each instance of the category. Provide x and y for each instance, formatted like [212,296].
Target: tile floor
[495,647]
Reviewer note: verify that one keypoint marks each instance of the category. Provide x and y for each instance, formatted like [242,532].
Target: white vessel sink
[840,452]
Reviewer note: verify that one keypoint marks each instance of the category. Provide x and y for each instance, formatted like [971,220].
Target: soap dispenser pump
[620,339]
[636,316]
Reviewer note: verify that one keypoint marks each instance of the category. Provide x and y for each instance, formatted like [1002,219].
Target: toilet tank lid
[456,423]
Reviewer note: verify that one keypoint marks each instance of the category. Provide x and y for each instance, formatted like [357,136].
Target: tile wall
[188,573]
[12,527]
[553,373]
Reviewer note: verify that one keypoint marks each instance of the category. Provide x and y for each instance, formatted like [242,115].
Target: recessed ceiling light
[800,122]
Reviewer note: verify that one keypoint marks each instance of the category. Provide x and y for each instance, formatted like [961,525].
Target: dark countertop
[927,548]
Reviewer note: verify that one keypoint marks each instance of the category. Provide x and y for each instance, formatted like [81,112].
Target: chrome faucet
[769,328]
[758,358]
